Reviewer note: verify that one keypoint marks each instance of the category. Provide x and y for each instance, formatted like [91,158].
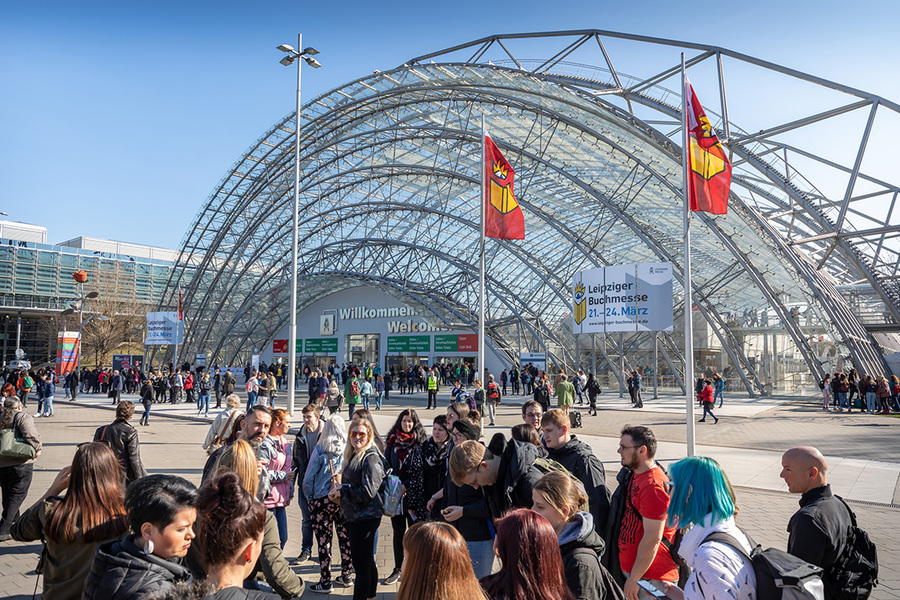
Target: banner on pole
[66,351]
[163,329]
[622,298]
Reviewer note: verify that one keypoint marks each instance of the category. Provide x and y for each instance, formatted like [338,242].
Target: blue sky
[119,119]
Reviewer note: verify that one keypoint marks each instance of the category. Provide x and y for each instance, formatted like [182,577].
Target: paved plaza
[749,439]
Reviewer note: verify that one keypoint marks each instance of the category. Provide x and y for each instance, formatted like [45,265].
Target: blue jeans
[378,399]
[251,401]
[871,402]
[365,401]
[842,398]
[482,556]
[203,403]
[48,406]
[352,409]
[306,532]
[280,513]
[720,395]
[146,416]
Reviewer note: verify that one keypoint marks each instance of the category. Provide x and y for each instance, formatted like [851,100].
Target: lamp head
[288,60]
[312,62]
[286,48]
[67,312]
[311,51]
[93,295]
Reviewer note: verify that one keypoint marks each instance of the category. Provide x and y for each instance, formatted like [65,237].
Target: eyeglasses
[359,435]
[621,447]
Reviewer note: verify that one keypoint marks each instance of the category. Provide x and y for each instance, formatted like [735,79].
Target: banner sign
[121,362]
[164,329]
[200,360]
[279,346]
[537,359]
[66,351]
[409,343]
[622,298]
[317,345]
[456,343]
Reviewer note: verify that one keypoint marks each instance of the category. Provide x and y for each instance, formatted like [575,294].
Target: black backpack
[778,574]
[822,385]
[855,572]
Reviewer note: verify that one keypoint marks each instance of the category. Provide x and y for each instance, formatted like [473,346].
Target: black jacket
[121,571]
[818,531]
[581,548]
[123,439]
[578,458]
[360,486]
[515,479]
[610,557]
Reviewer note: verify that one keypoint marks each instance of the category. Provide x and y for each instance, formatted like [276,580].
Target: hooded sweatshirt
[718,572]
[581,548]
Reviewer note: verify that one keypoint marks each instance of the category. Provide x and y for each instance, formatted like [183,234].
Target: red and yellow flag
[503,217]
[709,178]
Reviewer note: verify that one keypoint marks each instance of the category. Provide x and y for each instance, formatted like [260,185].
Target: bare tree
[123,329]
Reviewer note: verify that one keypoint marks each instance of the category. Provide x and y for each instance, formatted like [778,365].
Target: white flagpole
[688,302]
[480,374]
[177,329]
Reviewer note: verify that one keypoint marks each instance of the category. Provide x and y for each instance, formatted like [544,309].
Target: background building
[36,285]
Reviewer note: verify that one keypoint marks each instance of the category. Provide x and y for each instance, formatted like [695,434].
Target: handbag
[14,447]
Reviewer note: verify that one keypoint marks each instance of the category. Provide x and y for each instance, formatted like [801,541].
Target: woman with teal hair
[701,497]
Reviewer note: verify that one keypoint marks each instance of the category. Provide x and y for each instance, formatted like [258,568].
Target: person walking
[203,387]
[334,399]
[379,391]
[706,400]
[123,439]
[564,393]
[47,392]
[352,394]
[366,391]
[146,400]
[276,452]
[718,389]
[593,390]
[252,388]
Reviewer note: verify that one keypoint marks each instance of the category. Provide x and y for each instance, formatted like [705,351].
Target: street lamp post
[78,303]
[292,55]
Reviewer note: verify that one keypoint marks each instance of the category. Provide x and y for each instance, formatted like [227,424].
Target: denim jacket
[317,482]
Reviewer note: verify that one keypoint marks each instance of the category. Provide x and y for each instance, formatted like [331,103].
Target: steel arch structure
[389,193]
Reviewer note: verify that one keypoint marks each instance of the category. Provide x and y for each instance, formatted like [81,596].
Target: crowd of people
[524,515]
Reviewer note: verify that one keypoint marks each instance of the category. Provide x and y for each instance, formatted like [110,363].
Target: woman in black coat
[149,559]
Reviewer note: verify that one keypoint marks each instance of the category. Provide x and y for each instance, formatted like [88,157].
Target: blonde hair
[562,493]
[465,458]
[351,454]
[240,458]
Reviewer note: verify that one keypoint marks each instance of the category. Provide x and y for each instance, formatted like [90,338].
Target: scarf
[402,442]
[433,454]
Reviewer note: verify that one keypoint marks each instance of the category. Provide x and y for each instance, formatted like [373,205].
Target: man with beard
[254,429]
[640,535]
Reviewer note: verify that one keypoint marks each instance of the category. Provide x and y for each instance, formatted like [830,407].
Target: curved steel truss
[389,197]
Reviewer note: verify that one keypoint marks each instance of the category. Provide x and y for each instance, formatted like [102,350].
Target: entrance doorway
[362,348]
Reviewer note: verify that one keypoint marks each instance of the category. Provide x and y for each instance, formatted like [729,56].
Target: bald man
[818,531]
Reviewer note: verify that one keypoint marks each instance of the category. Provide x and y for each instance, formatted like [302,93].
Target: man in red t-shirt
[641,555]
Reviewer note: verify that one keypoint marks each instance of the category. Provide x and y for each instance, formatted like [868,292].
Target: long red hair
[532,564]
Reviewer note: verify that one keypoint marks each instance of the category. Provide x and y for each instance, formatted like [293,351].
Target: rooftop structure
[805,260]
